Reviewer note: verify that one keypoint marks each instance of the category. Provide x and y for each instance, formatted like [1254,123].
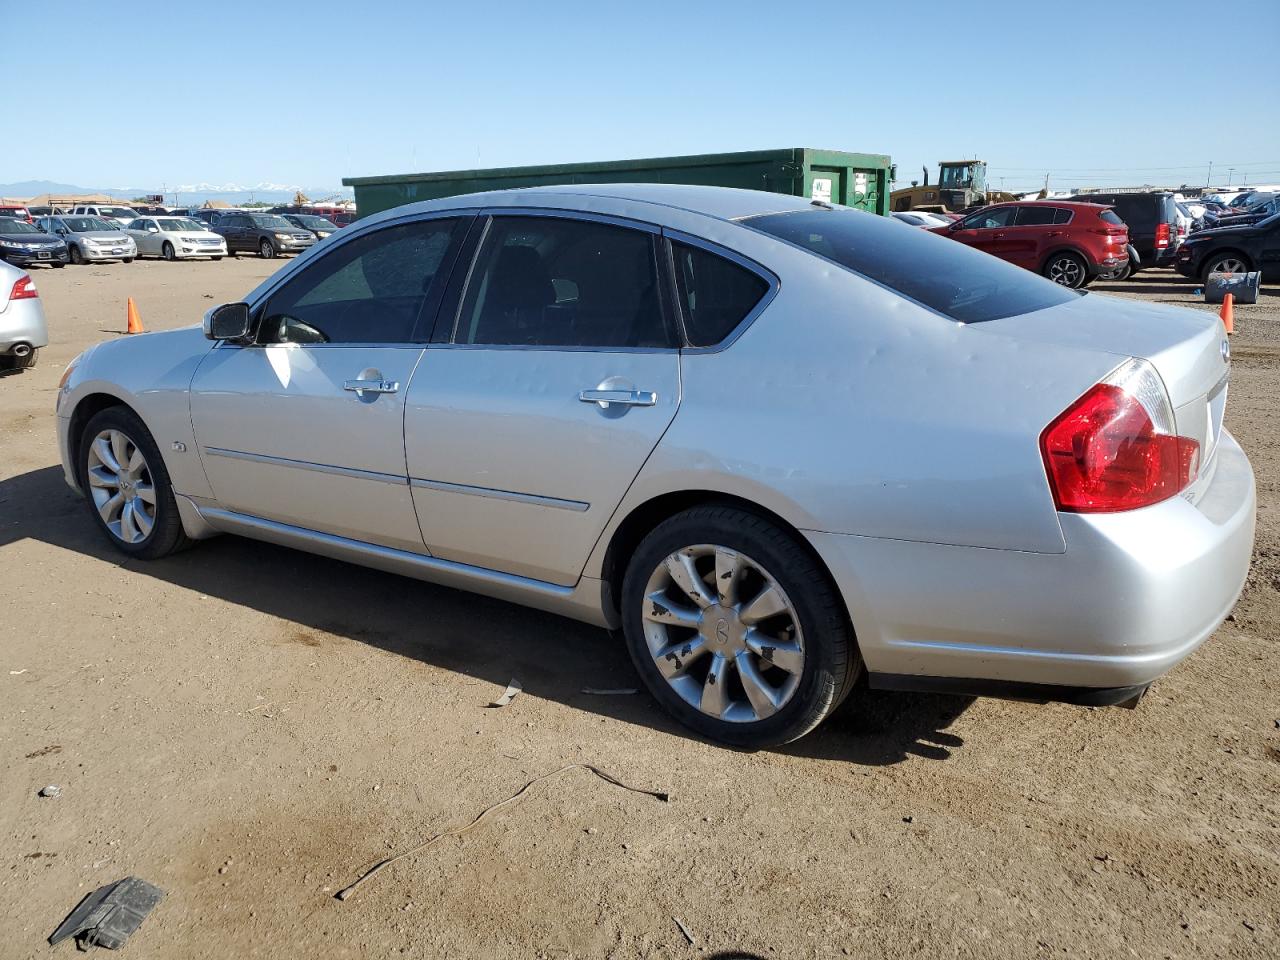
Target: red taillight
[24,289]
[1162,234]
[1106,452]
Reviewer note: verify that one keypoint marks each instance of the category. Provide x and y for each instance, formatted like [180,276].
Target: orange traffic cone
[135,325]
[1228,313]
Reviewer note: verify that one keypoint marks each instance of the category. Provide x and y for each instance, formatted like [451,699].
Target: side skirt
[586,601]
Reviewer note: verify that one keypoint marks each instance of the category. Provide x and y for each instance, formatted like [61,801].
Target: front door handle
[361,387]
[627,398]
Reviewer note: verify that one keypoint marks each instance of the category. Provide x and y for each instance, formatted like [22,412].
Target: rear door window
[1035,216]
[951,278]
[562,282]
[716,294]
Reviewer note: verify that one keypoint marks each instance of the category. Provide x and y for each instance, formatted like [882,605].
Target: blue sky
[306,93]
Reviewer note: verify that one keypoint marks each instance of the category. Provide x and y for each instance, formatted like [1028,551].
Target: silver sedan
[772,443]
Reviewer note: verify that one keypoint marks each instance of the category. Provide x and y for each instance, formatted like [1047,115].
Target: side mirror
[153,229]
[230,321]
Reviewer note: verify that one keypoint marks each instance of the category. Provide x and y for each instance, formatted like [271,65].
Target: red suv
[1070,243]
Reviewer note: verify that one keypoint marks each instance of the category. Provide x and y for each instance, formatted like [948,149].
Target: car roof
[1046,203]
[722,203]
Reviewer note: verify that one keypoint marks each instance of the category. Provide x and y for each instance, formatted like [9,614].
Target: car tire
[58,265]
[76,256]
[1119,273]
[1067,269]
[755,567]
[128,259]
[9,362]
[119,432]
[267,250]
[215,259]
[1227,261]
[168,252]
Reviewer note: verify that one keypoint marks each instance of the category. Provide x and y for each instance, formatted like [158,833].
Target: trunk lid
[1188,348]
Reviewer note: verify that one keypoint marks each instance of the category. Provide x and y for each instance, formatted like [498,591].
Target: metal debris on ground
[509,694]
[345,892]
[685,930]
[52,790]
[610,691]
[110,915]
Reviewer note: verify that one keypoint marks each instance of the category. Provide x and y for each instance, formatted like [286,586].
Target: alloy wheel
[1229,265]
[121,485]
[723,633]
[1066,271]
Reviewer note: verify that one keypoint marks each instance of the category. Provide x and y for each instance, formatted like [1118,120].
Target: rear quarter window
[716,294]
[942,274]
[1109,216]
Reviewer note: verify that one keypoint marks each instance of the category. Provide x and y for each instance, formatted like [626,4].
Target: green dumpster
[853,179]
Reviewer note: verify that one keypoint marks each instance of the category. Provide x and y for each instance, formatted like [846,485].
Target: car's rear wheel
[10,362]
[76,256]
[1067,269]
[735,627]
[168,252]
[266,250]
[127,486]
[1229,262]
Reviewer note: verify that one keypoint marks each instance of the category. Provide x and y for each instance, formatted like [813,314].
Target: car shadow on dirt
[490,640]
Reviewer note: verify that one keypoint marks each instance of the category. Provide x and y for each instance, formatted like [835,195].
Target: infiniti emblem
[1226,351]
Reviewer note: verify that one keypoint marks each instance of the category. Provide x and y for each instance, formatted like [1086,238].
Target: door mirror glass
[227,322]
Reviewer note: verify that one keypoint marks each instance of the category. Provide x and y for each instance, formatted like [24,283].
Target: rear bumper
[1133,594]
[23,322]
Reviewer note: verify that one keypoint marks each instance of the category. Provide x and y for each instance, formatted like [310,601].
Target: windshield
[175,224]
[10,225]
[123,212]
[270,222]
[945,275]
[954,176]
[314,223]
[88,224]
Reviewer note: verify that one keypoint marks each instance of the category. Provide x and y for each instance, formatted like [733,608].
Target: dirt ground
[249,727]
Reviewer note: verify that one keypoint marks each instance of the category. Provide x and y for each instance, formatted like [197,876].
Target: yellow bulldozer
[962,185]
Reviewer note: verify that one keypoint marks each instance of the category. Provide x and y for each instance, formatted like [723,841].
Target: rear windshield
[945,275]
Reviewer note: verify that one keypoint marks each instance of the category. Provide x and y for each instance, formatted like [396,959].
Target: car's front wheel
[76,256]
[735,627]
[168,252]
[266,250]
[127,486]
[1067,269]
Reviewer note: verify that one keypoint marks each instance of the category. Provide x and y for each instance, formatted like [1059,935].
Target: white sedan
[175,238]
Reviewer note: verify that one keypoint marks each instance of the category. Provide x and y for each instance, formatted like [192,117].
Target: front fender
[152,374]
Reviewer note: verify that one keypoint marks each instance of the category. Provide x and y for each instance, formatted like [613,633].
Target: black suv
[1238,249]
[1153,225]
[266,234]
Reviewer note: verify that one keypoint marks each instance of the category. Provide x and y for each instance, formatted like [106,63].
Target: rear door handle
[361,387]
[998,236]
[627,398]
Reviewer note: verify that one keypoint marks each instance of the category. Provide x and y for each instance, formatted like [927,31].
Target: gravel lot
[248,727]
